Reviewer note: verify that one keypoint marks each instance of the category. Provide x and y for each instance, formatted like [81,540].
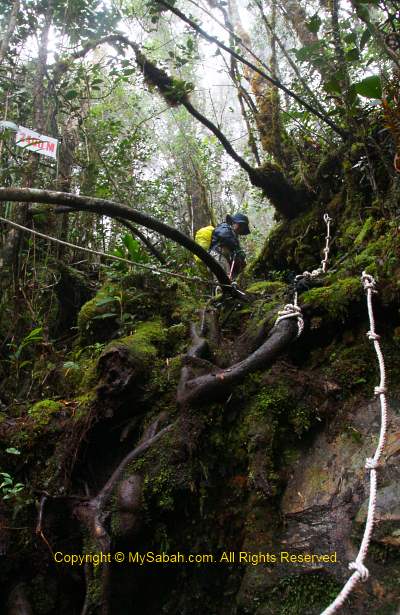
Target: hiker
[225,246]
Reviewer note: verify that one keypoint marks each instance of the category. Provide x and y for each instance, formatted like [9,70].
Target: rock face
[326,498]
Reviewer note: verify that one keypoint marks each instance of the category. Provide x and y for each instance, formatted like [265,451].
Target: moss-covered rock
[336,300]
[125,360]
[266,288]
[97,317]
[43,411]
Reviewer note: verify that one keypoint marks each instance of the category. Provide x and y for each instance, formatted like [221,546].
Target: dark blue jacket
[224,235]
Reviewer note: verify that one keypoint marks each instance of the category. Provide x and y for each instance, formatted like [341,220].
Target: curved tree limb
[285,198]
[115,210]
[278,84]
[219,381]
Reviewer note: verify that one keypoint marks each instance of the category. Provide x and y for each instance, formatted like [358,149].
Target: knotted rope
[293,310]
[372,463]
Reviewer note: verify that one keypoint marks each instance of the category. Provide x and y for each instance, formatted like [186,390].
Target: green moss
[43,411]
[158,489]
[80,375]
[266,288]
[335,300]
[142,344]
[298,594]
[94,313]
[366,231]
[84,404]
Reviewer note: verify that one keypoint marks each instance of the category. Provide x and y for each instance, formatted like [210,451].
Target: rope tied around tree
[361,572]
[293,310]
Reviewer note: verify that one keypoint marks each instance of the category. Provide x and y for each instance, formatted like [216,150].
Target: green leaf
[362,12]
[104,301]
[314,23]
[24,364]
[70,94]
[366,35]
[13,451]
[352,54]
[305,53]
[71,365]
[35,334]
[106,315]
[133,247]
[370,87]
[351,38]
[333,86]
[6,482]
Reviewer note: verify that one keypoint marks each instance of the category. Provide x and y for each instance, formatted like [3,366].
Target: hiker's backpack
[203,238]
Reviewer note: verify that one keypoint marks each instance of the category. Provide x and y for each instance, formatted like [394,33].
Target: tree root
[209,386]
[94,514]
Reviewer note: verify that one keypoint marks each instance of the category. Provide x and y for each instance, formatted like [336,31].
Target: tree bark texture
[12,23]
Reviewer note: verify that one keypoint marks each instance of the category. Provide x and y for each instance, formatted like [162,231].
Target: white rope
[372,463]
[112,256]
[293,310]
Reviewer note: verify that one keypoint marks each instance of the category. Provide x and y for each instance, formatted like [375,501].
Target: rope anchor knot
[292,311]
[371,464]
[361,569]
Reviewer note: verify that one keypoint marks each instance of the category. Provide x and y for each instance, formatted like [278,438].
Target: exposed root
[211,385]
[95,514]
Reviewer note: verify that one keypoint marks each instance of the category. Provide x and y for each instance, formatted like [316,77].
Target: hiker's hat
[243,220]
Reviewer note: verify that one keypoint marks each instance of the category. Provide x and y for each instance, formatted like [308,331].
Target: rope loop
[292,311]
[368,281]
[327,218]
[371,335]
[371,464]
[361,569]
[380,390]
